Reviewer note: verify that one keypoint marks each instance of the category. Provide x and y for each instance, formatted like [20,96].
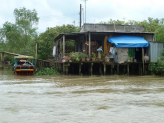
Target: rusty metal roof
[73,36]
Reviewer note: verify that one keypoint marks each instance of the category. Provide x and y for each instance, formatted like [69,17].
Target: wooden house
[130,42]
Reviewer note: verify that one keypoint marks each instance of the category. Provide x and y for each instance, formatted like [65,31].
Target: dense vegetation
[157,68]
[20,37]
[151,25]
[46,40]
[47,71]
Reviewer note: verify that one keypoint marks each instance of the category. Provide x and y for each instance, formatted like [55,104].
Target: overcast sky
[59,12]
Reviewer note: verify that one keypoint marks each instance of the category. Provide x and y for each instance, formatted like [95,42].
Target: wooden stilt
[91,69]
[124,69]
[89,45]
[104,69]
[79,69]
[60,44]
[100,69]
[63,68]
[111,69]
[139,69]
[133,69]
[118,69]
[66,70]
[127,69]
[2,57]
[63,45]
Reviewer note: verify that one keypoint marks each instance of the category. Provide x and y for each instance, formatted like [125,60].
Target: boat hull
[24,70]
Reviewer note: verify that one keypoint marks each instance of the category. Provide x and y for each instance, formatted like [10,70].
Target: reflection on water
[56,99]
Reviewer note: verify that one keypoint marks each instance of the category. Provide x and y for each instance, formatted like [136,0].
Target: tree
[151,25]
[25,21]
[46,40]
[18,36]
[159,34]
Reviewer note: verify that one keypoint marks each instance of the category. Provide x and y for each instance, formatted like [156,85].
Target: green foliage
[46,40]
[159,34]
[152,67]
[151,25]
[157,68]
[47,71]
[18,37]
[93,55]
[74,56]
[160,65]
[45,43]
[83,55]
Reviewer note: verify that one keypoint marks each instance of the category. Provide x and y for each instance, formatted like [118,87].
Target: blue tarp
[128,41]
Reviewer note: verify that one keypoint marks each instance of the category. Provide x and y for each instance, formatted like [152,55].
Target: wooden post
[80,69]
[57,50]
[63,68]
[36,57]
[139,69]
[124,69]
[128,69]
[100,69]
[63,45]
[60,44]
[111,70]
[104,69]
[91,69]
[118,69]
[66,70]
[143,59]
[133,69]
[89,45]
[2,57]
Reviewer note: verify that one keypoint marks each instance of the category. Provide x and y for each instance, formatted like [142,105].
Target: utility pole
[85,9]
[80,15]
[83,15]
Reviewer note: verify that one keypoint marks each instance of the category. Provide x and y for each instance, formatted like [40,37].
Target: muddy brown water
[80,99]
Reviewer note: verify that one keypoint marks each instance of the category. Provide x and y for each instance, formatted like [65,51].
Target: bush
[152,67]
[47,71]
[157,68]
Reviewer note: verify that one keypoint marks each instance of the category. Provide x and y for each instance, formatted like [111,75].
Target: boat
[22,66]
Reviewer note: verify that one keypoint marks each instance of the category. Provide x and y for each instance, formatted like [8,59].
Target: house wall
[148,37]
[155,50]
[111,28]
[122,55]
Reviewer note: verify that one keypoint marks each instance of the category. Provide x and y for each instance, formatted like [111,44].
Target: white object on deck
[54,51]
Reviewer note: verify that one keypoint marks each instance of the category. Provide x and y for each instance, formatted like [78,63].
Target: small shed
[127,44]
[155,50]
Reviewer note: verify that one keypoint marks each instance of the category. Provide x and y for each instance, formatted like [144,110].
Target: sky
[53,13]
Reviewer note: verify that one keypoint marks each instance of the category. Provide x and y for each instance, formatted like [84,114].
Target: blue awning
[128,41]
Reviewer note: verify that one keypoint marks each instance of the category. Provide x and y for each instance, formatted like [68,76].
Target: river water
[80,99]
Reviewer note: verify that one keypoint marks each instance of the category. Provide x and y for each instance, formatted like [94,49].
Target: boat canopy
[128,41]
[23,57]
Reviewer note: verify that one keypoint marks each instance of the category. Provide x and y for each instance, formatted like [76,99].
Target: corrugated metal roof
[73,36]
